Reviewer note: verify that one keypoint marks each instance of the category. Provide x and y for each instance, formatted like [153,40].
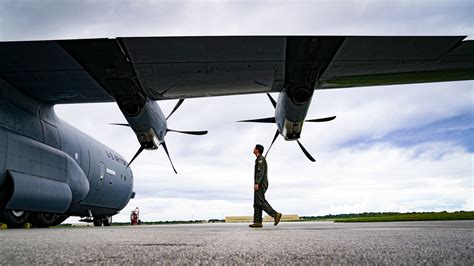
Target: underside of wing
[183,67]
[46,72]
[156,68]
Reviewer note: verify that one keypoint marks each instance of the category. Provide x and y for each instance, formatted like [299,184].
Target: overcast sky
[391,148]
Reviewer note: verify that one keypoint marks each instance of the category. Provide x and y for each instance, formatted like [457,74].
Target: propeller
[273,120]
[119,124]
[168,154]
[272,100]
[176,107]
[325,119]
[162,142]
[188,132]
[260,120]
[273,141]
[136,155]
[305,152]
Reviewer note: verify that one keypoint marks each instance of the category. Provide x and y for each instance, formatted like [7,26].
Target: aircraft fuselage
[49,167]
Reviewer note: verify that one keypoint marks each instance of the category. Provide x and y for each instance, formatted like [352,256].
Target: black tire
[60,219]
[107,221]
[97,222]
[13,218]
[44,220]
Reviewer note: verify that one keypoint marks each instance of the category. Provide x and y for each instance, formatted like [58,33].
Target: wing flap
[371,61]
[463,53]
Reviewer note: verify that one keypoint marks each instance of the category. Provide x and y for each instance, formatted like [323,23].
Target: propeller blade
[119,124]
[260,120]
[136,155]
[188,132]
[167,153]
[175,107]
[306,152]
[325,119]
[273,141]
[272,100]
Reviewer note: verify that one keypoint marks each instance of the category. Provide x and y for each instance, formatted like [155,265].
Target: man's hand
[255,187]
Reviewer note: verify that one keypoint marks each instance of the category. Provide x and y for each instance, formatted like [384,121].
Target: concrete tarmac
[443,242]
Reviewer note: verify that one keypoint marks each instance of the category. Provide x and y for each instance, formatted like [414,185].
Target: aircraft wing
[94,70]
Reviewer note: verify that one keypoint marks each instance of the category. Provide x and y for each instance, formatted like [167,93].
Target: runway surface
[303,242]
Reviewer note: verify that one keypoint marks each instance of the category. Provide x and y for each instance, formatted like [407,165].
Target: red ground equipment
[134,217]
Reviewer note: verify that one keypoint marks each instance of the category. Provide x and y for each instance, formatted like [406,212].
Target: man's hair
[259,148]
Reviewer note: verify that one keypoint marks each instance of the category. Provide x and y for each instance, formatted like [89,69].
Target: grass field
[395,217]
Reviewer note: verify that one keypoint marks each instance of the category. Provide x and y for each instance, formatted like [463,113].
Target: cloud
[24,20]
[371,113]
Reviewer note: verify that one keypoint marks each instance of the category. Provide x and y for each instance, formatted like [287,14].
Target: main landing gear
[14,218]
[44,220]
[106,221]
[97,220]
[18,218]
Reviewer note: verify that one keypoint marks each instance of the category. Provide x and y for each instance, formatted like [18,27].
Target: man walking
[260,187]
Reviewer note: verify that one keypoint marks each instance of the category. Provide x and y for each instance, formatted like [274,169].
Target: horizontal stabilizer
[260,120]
[325,119]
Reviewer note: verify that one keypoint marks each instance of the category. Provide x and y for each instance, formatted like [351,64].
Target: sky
[397,148]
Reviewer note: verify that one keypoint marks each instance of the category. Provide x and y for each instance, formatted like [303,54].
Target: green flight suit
[259,201]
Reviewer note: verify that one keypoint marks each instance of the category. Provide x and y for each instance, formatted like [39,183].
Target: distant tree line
[394,216]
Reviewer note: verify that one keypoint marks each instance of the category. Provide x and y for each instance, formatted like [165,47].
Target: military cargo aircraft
[50,170]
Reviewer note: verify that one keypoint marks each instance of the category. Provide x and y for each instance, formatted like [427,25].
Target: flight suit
[259,201]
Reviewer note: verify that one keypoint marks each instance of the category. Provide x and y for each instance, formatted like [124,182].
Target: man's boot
[256,225]
[277,218]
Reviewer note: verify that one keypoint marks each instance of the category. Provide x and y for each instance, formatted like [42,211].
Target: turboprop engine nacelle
[291,110]
[147,121]
[290,113]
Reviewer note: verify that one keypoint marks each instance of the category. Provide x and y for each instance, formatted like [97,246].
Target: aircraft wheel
[97,222]
[60,219]
[43,220]
[14,218]
[108,221]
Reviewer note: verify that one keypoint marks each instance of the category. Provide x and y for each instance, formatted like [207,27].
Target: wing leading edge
[97,70]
